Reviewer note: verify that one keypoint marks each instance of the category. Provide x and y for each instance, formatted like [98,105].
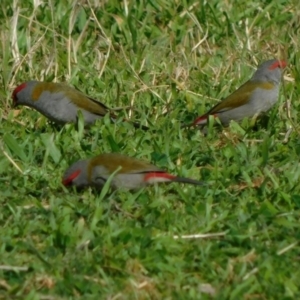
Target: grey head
[22,94]
[77,174]
[269,71]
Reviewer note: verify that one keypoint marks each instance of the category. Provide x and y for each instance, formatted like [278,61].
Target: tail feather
[160,176]
[188,180]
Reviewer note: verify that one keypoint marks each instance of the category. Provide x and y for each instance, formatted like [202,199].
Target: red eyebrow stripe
[19,88]
[69,179]
[152,175]
[278,64]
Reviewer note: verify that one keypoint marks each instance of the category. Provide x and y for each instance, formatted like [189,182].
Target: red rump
[278,64]
[154,175]
[202,120]
[69,180]
[199,120]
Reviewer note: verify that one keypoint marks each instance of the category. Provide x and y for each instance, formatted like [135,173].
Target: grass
[169,61]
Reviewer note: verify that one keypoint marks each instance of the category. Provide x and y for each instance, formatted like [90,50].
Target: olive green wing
[240,97]
[129,165]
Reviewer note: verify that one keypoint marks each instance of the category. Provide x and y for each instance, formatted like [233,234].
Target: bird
[133,173]
[253,98]
[60,102]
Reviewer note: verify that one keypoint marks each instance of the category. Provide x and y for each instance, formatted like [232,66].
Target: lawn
[162,63]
